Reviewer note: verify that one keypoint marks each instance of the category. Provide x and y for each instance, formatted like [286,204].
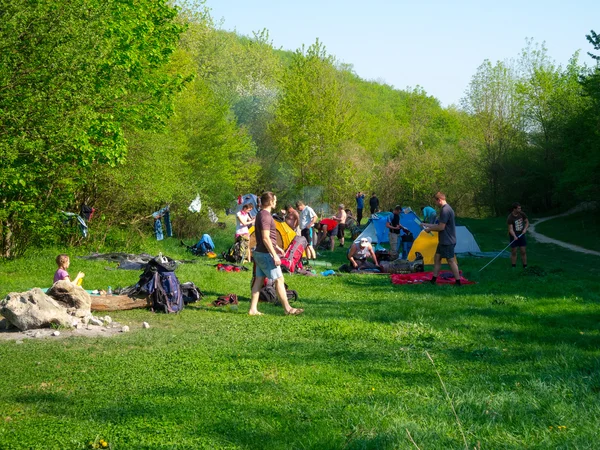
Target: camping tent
[465,241]
[379,233]
[248,198]
[285,235]
[426,244]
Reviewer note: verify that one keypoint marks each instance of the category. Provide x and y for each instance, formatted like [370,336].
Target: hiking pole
[502,251]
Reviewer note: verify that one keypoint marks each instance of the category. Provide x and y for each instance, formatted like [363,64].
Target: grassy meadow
[511,362]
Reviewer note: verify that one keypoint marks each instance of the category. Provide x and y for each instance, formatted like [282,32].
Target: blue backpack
[203,246]
[160,283]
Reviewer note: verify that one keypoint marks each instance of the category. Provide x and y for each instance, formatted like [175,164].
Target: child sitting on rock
[63,263]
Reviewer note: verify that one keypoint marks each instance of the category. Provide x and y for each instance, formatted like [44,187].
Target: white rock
[108,319]
[145,325]
[96,322]
[125,329]
[56,333]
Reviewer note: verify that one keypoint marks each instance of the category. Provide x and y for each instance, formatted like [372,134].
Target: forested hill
[127,107]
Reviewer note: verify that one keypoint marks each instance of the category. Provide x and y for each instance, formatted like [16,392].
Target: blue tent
[408,219]
[249,198]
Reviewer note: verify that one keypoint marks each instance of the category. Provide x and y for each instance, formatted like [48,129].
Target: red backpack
[292,260]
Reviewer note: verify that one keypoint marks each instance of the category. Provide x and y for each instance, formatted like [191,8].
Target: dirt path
[547,240]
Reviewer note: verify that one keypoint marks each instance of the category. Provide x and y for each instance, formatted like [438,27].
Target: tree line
[129,106]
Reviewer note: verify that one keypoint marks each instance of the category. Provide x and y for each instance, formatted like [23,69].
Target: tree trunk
[118,302]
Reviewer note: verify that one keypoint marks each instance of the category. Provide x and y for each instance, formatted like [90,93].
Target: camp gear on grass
[268,293]
[444,277]
[292,260]
[229,299]
[238,251]
[203,246]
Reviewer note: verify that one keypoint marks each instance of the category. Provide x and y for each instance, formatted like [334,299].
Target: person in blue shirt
[360,204]
[428,214]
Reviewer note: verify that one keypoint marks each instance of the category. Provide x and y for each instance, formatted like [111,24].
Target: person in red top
[266,257]
[327,227]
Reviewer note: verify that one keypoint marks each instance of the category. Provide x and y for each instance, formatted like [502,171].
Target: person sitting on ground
[327,227]
[358,254]
[341,217]
[63,262]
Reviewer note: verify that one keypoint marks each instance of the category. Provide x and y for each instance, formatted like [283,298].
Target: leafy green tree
[498,112]
[579,180]
[314,117]
[74,75]
[551,96]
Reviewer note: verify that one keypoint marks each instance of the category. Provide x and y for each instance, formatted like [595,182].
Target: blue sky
[435,44]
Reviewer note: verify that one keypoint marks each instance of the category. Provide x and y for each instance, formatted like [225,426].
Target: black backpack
[160,283]
[190,292]
[237,252]
[269,294]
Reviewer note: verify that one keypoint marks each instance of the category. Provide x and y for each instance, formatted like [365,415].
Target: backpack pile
[160,284]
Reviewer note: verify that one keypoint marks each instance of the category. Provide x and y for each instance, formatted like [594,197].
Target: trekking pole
[502,251]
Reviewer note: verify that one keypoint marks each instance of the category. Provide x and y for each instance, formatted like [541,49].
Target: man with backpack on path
[267,262]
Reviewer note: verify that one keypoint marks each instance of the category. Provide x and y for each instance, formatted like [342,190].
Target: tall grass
[518,353]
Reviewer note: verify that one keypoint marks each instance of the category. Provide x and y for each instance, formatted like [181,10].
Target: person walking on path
[360,204]
[446,228]
[374,203]
[518,223]
[308,217]
[267,263]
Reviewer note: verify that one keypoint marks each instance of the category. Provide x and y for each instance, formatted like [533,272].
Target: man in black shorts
[517,226]
[446,229]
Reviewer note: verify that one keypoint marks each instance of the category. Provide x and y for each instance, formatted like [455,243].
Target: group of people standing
[303,219]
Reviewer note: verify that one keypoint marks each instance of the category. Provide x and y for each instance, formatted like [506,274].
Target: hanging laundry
[164,214]
[196,205]
[212,216]
[81,223]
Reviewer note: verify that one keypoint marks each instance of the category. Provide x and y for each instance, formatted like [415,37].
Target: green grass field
[518,354]
[582,229]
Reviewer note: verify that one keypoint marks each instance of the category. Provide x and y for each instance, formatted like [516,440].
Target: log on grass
[118,302]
